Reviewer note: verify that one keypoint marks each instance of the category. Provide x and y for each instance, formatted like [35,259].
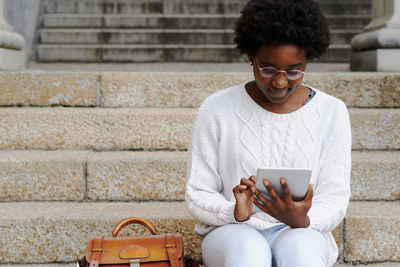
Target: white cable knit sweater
[233,136]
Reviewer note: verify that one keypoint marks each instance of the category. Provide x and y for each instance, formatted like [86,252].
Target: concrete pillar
[11,46]
[378,47]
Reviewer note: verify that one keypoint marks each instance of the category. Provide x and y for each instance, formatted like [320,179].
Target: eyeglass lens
[290,74]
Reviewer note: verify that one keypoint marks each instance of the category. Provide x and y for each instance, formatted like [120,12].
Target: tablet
[297,180]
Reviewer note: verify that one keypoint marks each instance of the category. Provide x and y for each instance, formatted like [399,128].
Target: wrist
[240,216]
[305,223]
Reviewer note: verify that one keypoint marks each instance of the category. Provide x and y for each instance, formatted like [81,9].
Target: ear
[250,59]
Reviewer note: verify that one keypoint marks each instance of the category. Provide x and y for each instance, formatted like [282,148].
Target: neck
[293,103]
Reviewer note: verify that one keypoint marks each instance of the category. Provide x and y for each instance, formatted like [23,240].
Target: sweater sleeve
[332,189]
[204,184]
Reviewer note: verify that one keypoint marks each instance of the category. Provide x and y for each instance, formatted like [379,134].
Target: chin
[273,98]
[277,100]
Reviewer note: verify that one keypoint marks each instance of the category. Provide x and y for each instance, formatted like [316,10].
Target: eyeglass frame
[277,71]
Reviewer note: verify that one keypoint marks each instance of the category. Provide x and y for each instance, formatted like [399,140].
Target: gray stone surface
[128,175]
[57,232]
[181,67]
[164,89]
[75,53]
[190,89]
[47,89]
[11,59]
[162,42]
[387,264]
[372,232]
[73,21]
[380,60]
[151,128]
[139,36]
[379,39]
[375,175]
[378,47]
[155,36]
[173,89]
[97,128]
[136,175]
[375,128]
[172,21]
[39,175]
[160,53]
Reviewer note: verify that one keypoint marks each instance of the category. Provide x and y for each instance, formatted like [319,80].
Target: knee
[305,247]
[236,245]
[252,251]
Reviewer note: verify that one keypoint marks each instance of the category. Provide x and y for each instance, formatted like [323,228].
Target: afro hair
[299,22]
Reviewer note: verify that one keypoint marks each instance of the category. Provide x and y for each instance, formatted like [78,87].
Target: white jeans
[240,245]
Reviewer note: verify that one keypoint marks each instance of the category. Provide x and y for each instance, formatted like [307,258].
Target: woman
[274,121]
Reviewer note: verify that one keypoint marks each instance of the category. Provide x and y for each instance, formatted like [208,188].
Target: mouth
[279,92]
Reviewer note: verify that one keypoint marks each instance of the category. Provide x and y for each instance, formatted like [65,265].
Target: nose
[280,80]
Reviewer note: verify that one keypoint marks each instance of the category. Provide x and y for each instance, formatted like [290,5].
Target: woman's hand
[244,199]
[293,214]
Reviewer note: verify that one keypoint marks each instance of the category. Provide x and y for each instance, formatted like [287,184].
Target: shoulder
[222,101]
[332,112]
[330,105]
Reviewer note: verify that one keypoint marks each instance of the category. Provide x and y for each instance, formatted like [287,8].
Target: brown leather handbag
[145,250]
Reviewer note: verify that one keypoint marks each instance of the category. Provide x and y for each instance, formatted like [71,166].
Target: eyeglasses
[269,72]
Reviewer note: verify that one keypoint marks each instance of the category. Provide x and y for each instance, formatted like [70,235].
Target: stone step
[157,36]
[172,21]
[160,53]
[135,176]
[176,89]
[139,53]
[151,128]
[183,6]
[138,36]
[372,232]
[387,264]
[346,7]
[143,6]
[48,232]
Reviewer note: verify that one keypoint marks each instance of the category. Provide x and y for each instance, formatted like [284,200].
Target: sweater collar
[251,104]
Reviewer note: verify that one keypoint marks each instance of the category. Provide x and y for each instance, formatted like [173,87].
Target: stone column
[378,47]
[12,56]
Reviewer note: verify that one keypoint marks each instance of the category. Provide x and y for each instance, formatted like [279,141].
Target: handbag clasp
[134,263]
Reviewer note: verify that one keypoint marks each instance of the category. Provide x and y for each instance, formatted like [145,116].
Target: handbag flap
[121,249]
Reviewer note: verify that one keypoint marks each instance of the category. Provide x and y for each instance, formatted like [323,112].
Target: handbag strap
[97,250]
[172,250]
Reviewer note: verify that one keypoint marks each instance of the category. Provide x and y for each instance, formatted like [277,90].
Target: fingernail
[282,181]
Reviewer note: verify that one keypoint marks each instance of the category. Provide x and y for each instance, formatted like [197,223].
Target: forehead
[281,54]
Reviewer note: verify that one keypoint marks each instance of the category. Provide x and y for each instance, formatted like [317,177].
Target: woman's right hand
[244,199]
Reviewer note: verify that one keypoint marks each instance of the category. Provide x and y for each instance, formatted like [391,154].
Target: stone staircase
[169,30]
[81,151]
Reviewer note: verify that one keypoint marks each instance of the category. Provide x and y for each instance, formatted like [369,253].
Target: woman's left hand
[287,211]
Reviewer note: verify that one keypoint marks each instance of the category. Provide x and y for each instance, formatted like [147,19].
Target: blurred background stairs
[81,151]
[168,31]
